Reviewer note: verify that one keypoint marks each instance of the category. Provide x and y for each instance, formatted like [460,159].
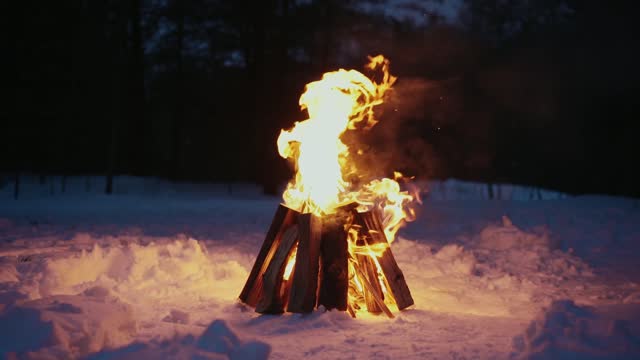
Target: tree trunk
[16,187]
[327,20]
[118,44]
[113,151]
[140,140]
[256,79]
[178,116]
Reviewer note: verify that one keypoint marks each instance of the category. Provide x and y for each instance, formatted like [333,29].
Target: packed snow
[154,271]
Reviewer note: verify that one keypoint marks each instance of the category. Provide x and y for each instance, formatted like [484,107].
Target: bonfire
[329,242]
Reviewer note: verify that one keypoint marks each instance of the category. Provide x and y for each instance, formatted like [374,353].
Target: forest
[540,93]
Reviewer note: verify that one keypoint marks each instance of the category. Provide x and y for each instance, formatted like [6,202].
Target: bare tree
[16,187]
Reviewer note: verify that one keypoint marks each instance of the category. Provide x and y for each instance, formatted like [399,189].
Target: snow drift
[149,273]
[568,331]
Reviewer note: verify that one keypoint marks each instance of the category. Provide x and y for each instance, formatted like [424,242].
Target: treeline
[539,93]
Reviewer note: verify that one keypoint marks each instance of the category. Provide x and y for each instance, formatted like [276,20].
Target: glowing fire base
[340,261]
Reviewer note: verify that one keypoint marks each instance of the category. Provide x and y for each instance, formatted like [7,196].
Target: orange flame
[341,101]
[291,261]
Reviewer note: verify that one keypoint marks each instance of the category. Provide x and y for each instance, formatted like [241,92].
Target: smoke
[397,142]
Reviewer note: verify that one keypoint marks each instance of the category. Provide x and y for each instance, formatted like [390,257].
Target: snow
[154,271]
[566,330]
[67,324]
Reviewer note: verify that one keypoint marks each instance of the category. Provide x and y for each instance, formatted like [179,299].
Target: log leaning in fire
[373,292]
[270,301]
[334,259]
[369,275]
[252,290]
[390,269]
[304,284]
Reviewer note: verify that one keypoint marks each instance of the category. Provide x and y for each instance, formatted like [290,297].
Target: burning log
[368,276]
[390,269]
[372,290]
[304,286]
[326,253]
[252,290]
[305,262]
[334,258]
[272,279]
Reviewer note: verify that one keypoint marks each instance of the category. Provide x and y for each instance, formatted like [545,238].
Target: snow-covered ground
[154,271]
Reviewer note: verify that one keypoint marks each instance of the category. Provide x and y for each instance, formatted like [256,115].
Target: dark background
[540,93]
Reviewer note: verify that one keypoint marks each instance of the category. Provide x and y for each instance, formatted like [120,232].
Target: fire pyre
[328,244]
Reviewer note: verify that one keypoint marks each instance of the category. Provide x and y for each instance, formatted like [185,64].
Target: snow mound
[158,272]
[446,280]
[500,271]
[5,224]
[218,338]
[65,326]
[530,254]
[218,342]
[568,331]
[507,236]
[174,284]
[8,272]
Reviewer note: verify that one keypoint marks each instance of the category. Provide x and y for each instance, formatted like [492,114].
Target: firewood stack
[307,261]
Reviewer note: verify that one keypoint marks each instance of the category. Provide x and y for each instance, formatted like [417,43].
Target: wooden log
[369,276]
[334,260]
[373,293]
[270,301]
[252,290]
[390,269]
[304,284]
[351,311]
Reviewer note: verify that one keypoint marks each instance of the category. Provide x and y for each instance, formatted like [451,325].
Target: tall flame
[341,101]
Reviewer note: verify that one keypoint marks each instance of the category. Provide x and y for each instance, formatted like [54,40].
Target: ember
[329,243]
